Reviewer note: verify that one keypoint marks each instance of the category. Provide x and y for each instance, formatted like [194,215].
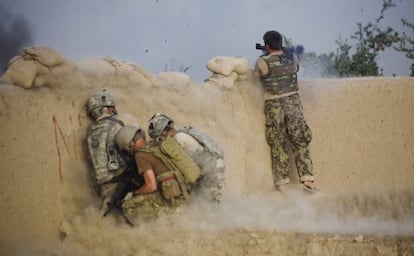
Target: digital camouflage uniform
[107,162]
[210,158]
[284,119]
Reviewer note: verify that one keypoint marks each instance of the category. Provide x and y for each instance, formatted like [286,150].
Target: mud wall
[363,135]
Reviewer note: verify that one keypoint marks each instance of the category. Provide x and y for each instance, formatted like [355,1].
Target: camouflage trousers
[147,207]
[285,124]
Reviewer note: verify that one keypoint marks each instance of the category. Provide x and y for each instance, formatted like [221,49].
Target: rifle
[127,182]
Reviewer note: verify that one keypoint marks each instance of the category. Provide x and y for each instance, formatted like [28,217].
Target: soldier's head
[273,40]
[160,125]
[130,138]
[101,104]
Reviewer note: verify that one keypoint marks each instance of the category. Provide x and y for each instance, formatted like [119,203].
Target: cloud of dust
[364,213]
[367,212]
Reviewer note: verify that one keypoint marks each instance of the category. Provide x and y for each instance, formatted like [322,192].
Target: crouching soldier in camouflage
[168,172]
[204,151]
[110,168]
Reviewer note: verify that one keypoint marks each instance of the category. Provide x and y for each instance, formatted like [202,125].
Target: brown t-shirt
[147,161]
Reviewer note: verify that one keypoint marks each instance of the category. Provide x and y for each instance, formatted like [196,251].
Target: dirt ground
[362,150]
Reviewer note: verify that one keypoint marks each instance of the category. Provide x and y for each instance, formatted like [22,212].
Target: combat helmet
[127,133]
[98,101]
[158,123]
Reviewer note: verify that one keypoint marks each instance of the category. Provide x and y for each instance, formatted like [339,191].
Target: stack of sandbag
[226,70]
[36,67]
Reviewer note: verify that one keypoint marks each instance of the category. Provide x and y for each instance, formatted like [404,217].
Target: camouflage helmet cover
[158,123]
[100,99]
[124,136]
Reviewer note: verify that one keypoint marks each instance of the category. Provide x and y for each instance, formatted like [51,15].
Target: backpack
[176,159]
[206,141]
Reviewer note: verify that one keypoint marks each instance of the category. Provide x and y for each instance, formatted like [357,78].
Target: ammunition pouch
[113,163]
[172,189]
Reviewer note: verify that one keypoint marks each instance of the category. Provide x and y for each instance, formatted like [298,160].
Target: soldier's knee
[300,134]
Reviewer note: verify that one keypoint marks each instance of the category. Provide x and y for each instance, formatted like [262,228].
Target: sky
[171,35]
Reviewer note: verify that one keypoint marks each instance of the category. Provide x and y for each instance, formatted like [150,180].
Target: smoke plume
[14,34]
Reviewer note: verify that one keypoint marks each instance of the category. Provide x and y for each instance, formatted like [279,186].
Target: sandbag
[225,65]
[20,72]
[44,80]
[222,81]
[63,68]
[44,55]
